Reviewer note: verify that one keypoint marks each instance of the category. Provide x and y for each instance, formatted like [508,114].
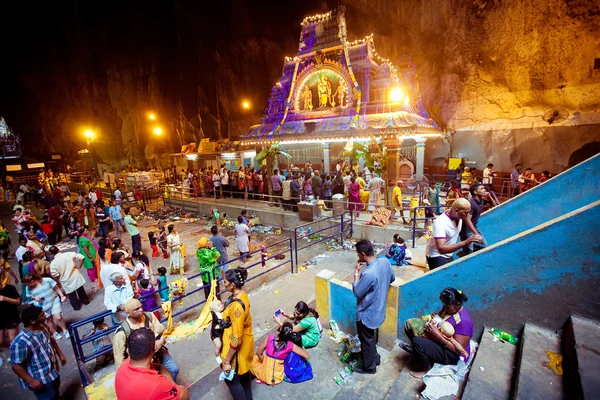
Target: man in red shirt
[136,379]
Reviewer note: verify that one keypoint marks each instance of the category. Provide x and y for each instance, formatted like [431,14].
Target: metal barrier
[76,339]
[344,226]
[416,230]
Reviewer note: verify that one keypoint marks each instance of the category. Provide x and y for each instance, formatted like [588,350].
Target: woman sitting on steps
[430,345]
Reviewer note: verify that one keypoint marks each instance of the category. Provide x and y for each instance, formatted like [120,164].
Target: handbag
[297,369]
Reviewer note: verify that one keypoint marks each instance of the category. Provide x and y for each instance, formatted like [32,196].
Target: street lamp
[152,116]
[246,105]
[396,95]
[88,133]
[157,131]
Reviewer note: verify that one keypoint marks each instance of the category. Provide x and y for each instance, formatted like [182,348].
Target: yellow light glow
[406,100]
[88,133]
[152,116]
[157,131]
[246,104]
[396,95]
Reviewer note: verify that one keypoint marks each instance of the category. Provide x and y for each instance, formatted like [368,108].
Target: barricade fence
[80,344]
[304,231]
[434,211]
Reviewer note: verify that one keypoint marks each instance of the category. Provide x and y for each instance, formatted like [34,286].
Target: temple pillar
[326,147]
[420,158]
[393,152]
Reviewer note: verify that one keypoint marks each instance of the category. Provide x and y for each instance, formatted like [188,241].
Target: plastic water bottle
[462,368]
[507,337]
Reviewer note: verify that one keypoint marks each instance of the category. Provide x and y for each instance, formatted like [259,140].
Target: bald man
[446,231]
[136,319]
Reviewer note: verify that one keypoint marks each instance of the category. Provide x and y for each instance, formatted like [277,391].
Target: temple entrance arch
[323,86]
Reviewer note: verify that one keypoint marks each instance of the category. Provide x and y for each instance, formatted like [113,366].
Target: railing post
[414,230]
[342,229]
[296,244]
[291,257]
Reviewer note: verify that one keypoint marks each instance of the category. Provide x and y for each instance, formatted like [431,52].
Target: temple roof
[334,88]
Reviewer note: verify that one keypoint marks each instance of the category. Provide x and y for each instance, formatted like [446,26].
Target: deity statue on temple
[324,88]
[341,94]
[307,98]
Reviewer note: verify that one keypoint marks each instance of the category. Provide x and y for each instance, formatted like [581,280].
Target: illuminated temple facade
[335,90]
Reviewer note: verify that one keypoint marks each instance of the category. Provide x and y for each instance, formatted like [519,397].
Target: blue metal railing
[77,342]
[343,225]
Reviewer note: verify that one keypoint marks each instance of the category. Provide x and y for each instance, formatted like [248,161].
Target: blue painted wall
[343,307]
[538,276]
[568,191]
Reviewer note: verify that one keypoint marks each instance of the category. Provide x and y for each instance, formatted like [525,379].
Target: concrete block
[535,380]
[388,332]
[495,381]
[322,295]
[343,305]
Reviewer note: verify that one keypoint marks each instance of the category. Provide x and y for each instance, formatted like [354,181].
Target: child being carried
[218,326]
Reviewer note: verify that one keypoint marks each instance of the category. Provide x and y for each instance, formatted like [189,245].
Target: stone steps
[492,371]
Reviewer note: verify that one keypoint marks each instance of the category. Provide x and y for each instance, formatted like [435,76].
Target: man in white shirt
[65,267]
[446,230]
[224,173]
[488,179]
[22,249]
[93,196]
[216,178]
[116,294]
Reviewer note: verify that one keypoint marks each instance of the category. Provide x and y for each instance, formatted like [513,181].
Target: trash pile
[168,214]
[348,353]
[266,229]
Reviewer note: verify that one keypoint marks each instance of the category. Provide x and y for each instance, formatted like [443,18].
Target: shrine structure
[335,90]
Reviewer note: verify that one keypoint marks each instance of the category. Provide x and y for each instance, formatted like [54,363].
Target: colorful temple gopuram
[335,90]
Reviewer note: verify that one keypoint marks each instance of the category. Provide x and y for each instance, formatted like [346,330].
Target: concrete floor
[195,354]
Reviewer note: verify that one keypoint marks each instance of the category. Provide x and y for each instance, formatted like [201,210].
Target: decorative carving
[307,98]
[324,90]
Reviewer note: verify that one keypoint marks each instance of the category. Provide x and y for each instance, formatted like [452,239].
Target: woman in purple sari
[354,197]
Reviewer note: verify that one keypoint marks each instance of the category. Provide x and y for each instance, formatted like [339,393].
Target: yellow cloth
[4,274]
[364,197]
[202,242]
[397,196]
[201,323]
[183,252]
[361,183]
[239,335]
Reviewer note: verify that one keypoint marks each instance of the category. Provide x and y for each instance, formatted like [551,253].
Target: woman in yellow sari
[238,340]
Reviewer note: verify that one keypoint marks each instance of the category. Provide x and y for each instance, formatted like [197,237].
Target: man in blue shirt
[116,217]
[34,356]
[370,288]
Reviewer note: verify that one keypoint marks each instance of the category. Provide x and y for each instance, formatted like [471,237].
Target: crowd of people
[288,187]
[132,291]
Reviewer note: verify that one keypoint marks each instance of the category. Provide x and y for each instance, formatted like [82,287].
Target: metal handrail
[415,219]
[77,343]
[341,225]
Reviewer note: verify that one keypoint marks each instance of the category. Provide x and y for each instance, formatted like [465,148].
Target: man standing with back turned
[372,279]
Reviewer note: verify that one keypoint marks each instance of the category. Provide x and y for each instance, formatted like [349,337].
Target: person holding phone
[306,322]
[372,279]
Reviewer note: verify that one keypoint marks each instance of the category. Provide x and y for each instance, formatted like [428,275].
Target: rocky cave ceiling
[481,64]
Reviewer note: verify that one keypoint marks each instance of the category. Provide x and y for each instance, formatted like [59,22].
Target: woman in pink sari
[354,197]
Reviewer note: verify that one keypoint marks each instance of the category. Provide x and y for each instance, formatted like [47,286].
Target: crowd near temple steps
[352,242]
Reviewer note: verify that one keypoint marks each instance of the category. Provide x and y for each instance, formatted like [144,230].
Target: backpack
[126,329]
[297,369]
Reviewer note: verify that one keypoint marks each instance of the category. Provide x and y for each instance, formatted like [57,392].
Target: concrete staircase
[499,371]
[504,371]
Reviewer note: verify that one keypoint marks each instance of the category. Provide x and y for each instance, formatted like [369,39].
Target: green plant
[270,155]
